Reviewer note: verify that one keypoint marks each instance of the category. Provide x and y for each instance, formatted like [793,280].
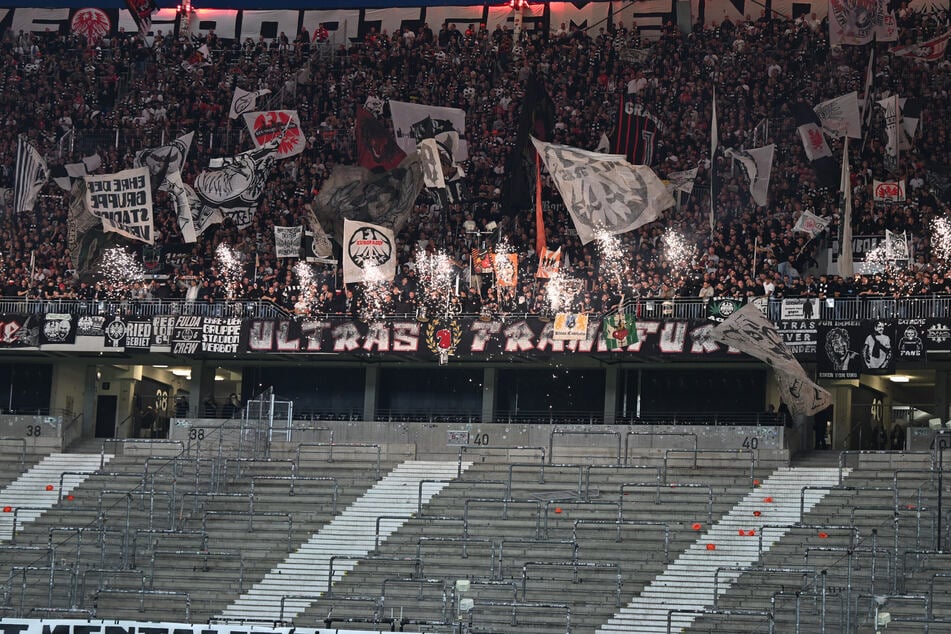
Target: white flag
[178,193]
[682,181]
[811,223]
[432,166]
[165,159]
[748,330]
[243,101]
[858,23]
[846,263]
[369,252]
[604,191]
[888,191]
[31,176]
[287,241]
[758,164]
[892,114]
[840,116]
[604,144]
[813,142]
[123,201]
[896,246]
[277,126]
[413,121]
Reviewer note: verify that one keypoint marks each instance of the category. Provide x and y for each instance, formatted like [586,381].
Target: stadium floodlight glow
[518,4]
[185,7]
[899,378]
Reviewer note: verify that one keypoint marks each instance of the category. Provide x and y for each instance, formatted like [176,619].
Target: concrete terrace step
[38,490]
[688,583]
[351,535]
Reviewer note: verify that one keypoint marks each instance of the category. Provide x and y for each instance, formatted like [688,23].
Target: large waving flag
[928,51]
[603,192]
[758,165]
[857,23]
[814,144]
[232,186]
[376,146]
[164,160]
[537,120]
[243,101]
[840,116]
[748,330]
[31,176]
[282,126]
[413,121]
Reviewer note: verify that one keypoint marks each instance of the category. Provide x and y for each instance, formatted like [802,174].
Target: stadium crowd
[66,93]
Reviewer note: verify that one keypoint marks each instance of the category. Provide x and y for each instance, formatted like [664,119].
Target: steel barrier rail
[515,605]
[708,612]
[16,518]
[505,505]
[376,618]
[586,495]
[202,535]
[853,531]
[287,516]
[931,582]
[332,445]
[657,488]
[154,593]
[628,435]
[699,452]
[418,570]
[443,584]
[579,432]
[541,474]
[145,442]
[755,568]
[210,495]
[428,518]
[849,552]
[295,479]
[918,555]
[844,456]
[553,542]
[465,547]
[204,555]
[63,613]
[587,504]
[280,622]
[254,461]
[469,483]
[81,591]
[464,448]
[877,601]
[14,570]
[575,565]
[79,531]
[114,474]
[620,523]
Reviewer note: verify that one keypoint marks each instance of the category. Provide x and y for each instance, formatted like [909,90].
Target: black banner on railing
[470,336]
[19,331]
[847,349]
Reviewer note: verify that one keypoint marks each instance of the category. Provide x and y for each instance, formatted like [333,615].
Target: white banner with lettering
[123,201]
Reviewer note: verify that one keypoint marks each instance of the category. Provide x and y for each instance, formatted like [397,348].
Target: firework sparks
[437,280]
[876,261]
[614,264]
[306,298]
[376,294]
[562,293]
[228,262]
[941,240]
[678,251]
[121,271]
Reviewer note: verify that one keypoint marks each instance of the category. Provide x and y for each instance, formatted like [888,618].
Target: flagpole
[714,134]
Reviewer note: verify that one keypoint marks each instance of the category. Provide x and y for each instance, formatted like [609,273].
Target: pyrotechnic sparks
[228,262]
[562,293]
[438,281]
[876,261]
[121,271]
[678,250]
[375,301]
[614,262]
[941,240]
[306,298]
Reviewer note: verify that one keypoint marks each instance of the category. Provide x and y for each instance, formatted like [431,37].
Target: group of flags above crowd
[603,192]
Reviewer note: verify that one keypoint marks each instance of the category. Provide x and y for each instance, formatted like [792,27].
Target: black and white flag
[815,145]
[123,201]
[287,241]
[31,176]
[369,252]
[63,175]
[603,192]
[748,330]
[810,223]
[233,186]
[892,109]
[840,116]
[896,246]
[179,194]
[164,160]
[682,181]
[432,166]
[758,165]
[245,101]
[413,121]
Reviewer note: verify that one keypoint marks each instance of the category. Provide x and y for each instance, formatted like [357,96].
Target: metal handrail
[419,492]
[587,504]
[205,555]
[156,593]
[287,516]
[334,558]
[515,605]
[754,568]
[574,565]
[769,615]
[549,542]
[295,479]
[586,495]
[505,504]
[696,453]
[331,446]
[580,432]
[657,488]
[620,523]
[628,435]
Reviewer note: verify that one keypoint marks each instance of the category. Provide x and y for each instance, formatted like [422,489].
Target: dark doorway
[106,416]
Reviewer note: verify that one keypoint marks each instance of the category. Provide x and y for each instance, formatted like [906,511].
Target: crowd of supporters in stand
[67,94]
